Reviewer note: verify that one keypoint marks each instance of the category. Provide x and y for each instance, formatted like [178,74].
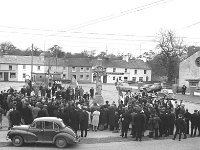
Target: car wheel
[17,140]
[61,142]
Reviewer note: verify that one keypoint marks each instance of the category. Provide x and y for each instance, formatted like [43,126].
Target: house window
[24,66]
[120,78]
[64,75]
[87,69]
[38,67]
[147,78]
[24,75]
[140,79]
[1,74]
[81,77]
[87,77]
[125,70]
[125,78]
[10,67]
[12,75]
[114,78]
[134,79]
[135,71]
[145,71]
[114,69]
[73,69]
[81,69]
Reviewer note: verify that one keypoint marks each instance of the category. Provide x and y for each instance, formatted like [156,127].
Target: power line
[69,36]
[98,20]
[194,24]
[102,19]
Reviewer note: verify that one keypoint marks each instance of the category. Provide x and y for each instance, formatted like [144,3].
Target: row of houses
[18,68]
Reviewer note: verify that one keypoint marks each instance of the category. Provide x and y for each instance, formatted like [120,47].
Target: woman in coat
[95,119]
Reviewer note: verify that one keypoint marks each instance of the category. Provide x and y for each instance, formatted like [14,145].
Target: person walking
[184,89]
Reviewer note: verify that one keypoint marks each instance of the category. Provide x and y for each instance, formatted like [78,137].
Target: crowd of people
[137,113]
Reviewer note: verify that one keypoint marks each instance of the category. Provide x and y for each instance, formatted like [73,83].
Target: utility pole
[32,62]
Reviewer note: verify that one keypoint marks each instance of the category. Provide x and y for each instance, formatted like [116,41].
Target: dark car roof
[54,119]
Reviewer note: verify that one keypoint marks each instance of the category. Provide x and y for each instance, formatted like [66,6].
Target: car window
[37,125]
[56,127]
[48,125]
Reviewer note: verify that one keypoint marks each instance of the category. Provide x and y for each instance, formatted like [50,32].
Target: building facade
[189,71]
[124,70]
[80,69]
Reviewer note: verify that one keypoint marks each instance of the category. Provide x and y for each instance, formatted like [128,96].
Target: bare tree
[172,50]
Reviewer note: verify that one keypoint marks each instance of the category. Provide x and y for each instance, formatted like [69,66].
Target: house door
[105,79]
[5,76]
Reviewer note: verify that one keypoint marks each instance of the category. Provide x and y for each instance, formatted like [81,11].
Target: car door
[50,130]
[37,129]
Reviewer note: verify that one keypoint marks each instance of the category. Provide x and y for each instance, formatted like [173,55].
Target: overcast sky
[118,26]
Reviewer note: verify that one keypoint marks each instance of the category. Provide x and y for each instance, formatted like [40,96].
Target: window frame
[81,69]
[126,70]
[38,68]
[87,77]
[11,74]
[135,71]
[24,67]
[145,71]
[114,69]
[81,77]
[87,69]
[24,75]
[10,67]
[73,69]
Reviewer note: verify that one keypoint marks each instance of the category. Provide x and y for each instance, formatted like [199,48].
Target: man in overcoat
[139,121]
[83,121]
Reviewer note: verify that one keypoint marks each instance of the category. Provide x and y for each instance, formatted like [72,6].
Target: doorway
[5,76]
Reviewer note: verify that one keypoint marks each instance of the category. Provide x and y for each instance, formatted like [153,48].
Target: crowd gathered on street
[136,114]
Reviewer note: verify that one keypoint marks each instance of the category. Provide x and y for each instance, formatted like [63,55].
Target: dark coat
[139,121]
[83,120]
[74,119]
[27,115]
[111,114]
[180,124]
[15,117]
[102,117]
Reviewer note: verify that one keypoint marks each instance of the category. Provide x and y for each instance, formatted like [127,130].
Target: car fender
[69,138]
[22,133]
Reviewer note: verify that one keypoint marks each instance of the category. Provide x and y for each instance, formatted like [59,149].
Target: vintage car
[43,130]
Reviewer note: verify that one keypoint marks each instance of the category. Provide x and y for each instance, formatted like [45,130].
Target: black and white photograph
[100,74]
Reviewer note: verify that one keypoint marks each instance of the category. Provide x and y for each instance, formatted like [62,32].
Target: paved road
[167,144]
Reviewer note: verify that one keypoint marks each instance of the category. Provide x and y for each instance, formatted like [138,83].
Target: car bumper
[77,140]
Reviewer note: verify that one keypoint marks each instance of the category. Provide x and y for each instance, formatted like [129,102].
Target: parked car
[165,95]
[146,86]
[43,130]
